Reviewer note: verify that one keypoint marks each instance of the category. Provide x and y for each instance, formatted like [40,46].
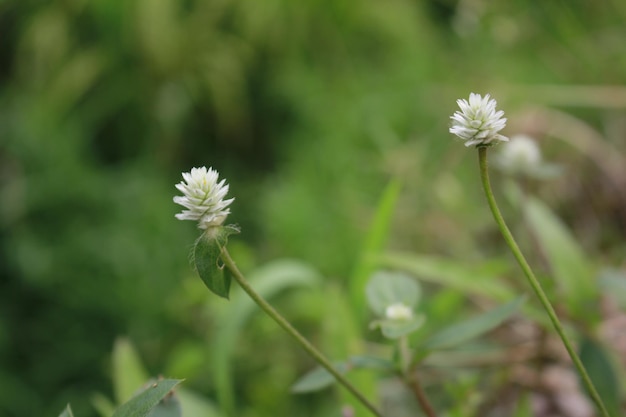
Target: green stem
[282,322]
[416,387]
[410,377]
[534,283]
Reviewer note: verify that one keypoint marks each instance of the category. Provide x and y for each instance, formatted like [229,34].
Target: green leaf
[393,329]
[103,405]
[465,278]
[317,379]
[463,331]
[374,242]
[388,288]
[206,257]
[169,406]
[142,404]
[371,362]
[573,275]
[67,412]
[602,373]
[194,404]
[129,375]
[613,284]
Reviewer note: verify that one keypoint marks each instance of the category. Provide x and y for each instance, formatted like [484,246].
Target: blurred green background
[308,109]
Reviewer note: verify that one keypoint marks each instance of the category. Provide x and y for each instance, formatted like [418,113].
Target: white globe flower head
[520,156]
[478,122]
[398,311]
[203,197]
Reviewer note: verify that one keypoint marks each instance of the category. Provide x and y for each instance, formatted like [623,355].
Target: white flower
[520,156]
[398,311]
[203,197]
[478,122]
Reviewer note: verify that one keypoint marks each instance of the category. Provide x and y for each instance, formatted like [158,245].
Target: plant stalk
[302,341]
[417,389]
[534,282]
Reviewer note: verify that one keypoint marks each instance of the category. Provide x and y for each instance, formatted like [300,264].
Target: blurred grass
[309,110]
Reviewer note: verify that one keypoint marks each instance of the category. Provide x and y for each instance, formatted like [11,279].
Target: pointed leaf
[317,379]
[194,404]
[374,241]
[129,374]
[206,256]
[571,270]
[468,279]
[463,331]
[169,406]
[371,362]
[67,412]
[602,374]
[142,404]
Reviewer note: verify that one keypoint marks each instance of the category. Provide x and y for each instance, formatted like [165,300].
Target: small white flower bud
[398,311]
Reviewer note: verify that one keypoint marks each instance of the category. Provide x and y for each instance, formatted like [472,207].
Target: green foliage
[206,257]
[569,267]
[144,403]
[316,112]
[603,373]
[466,330]
[67,412]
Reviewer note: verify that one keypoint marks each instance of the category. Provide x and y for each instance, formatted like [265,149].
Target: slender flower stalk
[534,282]
[478,123]
[302,341]
[203,197]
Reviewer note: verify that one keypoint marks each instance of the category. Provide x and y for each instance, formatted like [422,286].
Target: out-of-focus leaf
[341,337]
[569,266]
[446,272]
[613,283]
[206,256]
[169,406]
[267,281]
[142,404]
[393,329]
[103,405]
[196,405]
[371,362]
[67,412]
[374,242]
[602,373]
[388,288]
[128,372]
[317,379]
[463,331]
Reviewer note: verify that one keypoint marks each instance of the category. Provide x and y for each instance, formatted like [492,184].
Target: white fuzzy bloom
[521,155]
[203,197]
[478,122]
[398,311]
